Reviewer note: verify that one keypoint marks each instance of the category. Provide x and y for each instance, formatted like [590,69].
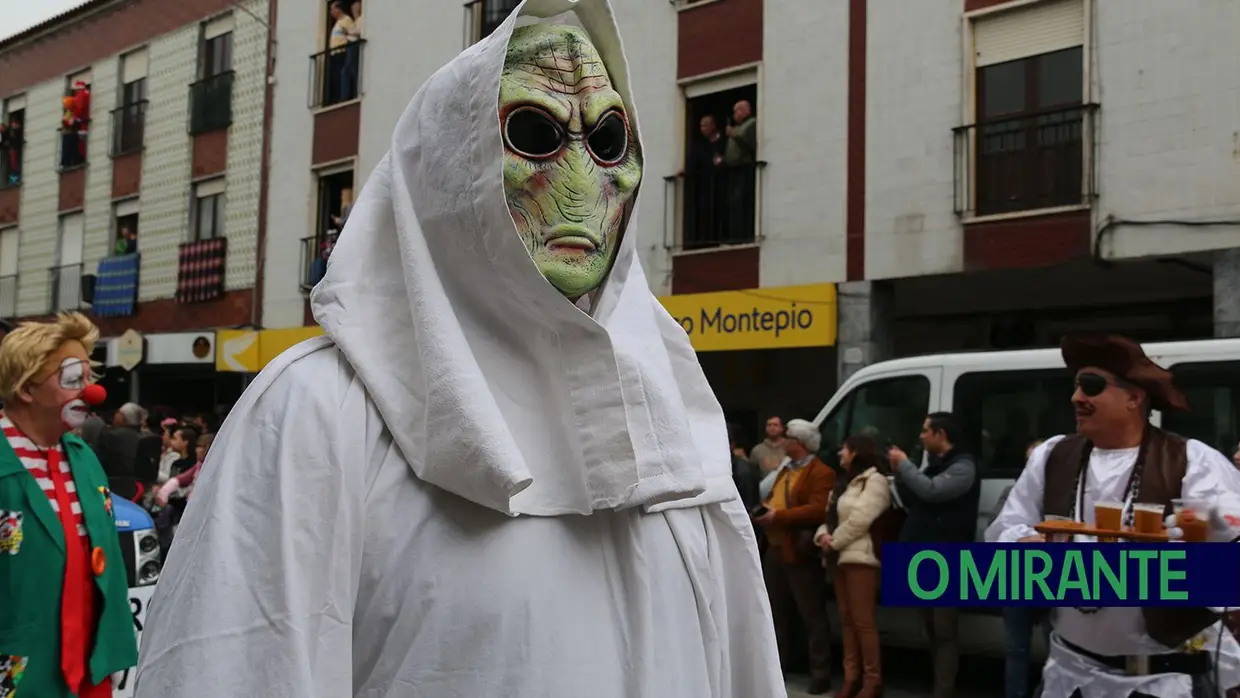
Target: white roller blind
[218,27]
[83,76]
[126,208]
[16,103]
[1043,27]
[8,252]
[133,66]
[210,187]
[741,78]
[71,228]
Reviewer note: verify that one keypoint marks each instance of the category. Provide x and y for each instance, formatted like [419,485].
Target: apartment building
[131,183]
[932,176]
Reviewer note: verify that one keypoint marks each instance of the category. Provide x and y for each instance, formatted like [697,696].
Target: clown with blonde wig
[67,593]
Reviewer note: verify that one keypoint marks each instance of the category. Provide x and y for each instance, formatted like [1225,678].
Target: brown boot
[870,690]
[848,690]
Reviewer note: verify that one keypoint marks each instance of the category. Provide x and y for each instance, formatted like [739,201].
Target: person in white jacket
[502,472]
[861,495]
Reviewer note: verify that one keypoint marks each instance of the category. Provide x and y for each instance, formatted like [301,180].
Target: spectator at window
[739,158]
[126,240]
[343,84]
[11,143]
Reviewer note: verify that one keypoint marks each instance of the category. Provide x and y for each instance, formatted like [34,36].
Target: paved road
[908,676]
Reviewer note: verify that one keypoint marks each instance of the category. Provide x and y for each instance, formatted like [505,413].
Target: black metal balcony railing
[210,103]
[66,283]
[1025,163]
[483,17]
[336,74]
[8,296]
[11,155]
[716,207]
[71,144]
[128,127]
[315,251]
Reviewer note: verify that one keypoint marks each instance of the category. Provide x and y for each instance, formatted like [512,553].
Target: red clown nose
[94,395]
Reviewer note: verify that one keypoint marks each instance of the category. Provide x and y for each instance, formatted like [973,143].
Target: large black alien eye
[533,133]
[609,141]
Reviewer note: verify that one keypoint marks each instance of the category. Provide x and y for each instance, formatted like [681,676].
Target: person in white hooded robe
[472,485]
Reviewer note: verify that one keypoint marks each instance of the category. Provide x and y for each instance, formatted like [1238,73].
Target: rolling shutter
[217,27]
[133,66]
[1042,27]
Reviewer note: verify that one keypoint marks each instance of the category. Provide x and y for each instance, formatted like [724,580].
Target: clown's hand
[1174,533]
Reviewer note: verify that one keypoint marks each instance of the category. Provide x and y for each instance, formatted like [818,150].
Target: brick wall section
[126,175]
[106,28]
[728,269]
[718,35]
[1027,242]
[40,198]
[10,205]
[335,134]
[72,192]
[210,154]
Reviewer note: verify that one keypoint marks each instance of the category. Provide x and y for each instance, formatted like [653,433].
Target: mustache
[1082,409]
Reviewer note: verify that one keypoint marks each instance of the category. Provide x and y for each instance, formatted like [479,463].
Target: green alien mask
[571,161]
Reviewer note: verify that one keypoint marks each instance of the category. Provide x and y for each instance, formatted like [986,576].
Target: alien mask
[571,160]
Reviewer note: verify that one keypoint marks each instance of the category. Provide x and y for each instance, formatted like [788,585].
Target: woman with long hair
[862,493]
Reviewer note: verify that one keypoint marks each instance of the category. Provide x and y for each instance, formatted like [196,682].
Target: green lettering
[944,577]
[1102,568]
[1143,558]
[1013,587]
[1073,576]
[971,577]
[1166,575]
[1038,577]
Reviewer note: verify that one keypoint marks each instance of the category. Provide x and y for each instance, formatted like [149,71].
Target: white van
[1006,400]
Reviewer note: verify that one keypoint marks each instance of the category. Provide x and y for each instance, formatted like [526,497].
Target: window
[125,216]
[719,186]
[129,119]
[892,410]
[9,249]
[336,71]
[483,17]
[74,122]
[12,141]
[1213,391]
[1030,133]
[211,95]
[66,276]
[1002,412]
[208,210]
[335,200]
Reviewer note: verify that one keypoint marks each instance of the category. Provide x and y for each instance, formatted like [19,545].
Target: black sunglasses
[1094,384]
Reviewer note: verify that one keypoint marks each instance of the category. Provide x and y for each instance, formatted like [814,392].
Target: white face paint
[74,413]
[73,373]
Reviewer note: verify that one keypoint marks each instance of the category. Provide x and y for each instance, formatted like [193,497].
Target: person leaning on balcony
[860,496]
[791,564]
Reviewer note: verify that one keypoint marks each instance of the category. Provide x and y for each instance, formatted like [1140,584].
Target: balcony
[713,208]
[8,296]
[71,146]
[200,273]
[314,254]
[210,103]
[128,128]
[66,287]
[336,75]
[11,155]
[483,17]
[1028,163]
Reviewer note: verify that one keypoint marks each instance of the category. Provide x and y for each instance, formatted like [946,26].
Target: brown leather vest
[1165,462]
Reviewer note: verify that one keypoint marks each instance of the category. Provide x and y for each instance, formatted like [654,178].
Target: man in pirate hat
[1117,455]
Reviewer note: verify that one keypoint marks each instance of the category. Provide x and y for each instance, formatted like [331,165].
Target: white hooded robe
[469,487]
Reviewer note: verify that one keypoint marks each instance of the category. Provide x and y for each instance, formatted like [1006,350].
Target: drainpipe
[256,297]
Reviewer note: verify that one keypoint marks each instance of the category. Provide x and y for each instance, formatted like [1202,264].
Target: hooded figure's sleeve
[257,595]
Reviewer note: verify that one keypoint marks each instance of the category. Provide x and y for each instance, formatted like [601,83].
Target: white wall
[245,144]
[914,67]
[40,194]
[98,199]
[1169,74]
[803,130]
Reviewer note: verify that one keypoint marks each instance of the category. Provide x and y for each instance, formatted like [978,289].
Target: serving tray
[1073,528]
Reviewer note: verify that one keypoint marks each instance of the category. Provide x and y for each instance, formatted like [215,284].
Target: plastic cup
[1109,516]
[1148,518]
[1192,517]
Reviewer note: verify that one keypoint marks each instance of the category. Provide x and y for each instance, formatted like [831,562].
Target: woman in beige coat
[861,495]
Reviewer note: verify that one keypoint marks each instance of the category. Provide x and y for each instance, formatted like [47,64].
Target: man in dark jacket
[744,474]
[117,449]
[941,501]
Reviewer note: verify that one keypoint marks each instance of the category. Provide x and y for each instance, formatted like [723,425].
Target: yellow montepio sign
[787,317]
[248,351]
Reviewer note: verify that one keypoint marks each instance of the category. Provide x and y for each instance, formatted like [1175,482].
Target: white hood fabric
[356,528]
[495,386]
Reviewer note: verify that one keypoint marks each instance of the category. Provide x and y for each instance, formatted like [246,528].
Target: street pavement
[907,675]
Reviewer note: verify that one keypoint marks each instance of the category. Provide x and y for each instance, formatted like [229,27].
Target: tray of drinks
[1191,517]
[1076,528]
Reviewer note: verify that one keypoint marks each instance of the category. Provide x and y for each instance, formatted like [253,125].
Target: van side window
[1004,411]
[1213,390]
[891,410]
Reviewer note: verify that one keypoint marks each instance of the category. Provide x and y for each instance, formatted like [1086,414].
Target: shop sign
[129,348]
[787,317]
[248,351]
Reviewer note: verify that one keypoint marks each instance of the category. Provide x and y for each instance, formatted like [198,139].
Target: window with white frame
[125,226]
[12,140]
[208,215]
[129,118]
[67,274]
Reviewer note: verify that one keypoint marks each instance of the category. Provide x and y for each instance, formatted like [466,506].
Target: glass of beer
[1148,518]
[1108,516]
[1192,516]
